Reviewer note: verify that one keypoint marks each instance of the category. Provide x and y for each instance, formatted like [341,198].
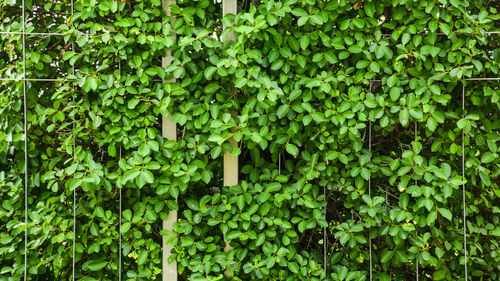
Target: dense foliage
[348,117]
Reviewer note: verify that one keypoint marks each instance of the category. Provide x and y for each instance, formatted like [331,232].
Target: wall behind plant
[349,122]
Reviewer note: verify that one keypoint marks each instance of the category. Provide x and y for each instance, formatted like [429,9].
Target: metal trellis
[229,6]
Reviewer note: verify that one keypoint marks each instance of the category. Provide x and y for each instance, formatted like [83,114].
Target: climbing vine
[348,118]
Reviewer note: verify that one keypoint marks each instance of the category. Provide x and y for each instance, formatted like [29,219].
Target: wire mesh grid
[24,79]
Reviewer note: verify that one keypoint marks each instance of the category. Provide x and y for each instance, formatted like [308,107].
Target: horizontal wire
[30,33]
[52,79]
[441,33]
[87,34]
[479,79]
[159,80]
[39,33]
[31,79]
[467,79]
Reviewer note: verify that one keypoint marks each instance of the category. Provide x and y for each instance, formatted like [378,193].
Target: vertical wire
[120,215]
[25,148]
[463,185]
[74,190]
[120,232]
[325,237]
[279,164]
[74,223]
[416,134]
[72,43]
[370,189]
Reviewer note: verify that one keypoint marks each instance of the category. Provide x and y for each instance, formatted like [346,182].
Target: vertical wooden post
[230,159]
[231,166]
[169,131]
[229,7]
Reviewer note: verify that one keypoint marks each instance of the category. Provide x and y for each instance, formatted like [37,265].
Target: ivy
[348,119]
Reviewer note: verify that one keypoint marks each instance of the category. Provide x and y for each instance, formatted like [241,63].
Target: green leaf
[439,252]
[304,42]
[439,275]
[495,232]
[416,113]
[144,149]
[148,176]
[277,64]
[293,267]
[211,88]
[127,214]
[292,149]
[445,28]
[395,93]
[75,183]
[125,227]
[445,213]
[92,83]
[302,61]
[433,26]
[133,103]
[302,21]
[342,273]
[405,38]
[370,103]
[338,43]
[273,187]
[369,8]
[240,201]
[316,19]
[375,67]
[68,54]
[379,52]
[112,150]
[205,176]
[462,123]
[143,257]
[99,212]
[106,37]
[209,72]
[130,175]
[358,22]
[96,265]
[435,89]
[404,117]
[299,12]
[345,24]
[431,124]
[355,49]
[431,218]
[260,239]
[343,158]
[386,256]
[488,157]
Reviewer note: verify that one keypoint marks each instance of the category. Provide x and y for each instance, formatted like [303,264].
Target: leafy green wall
[348,117]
